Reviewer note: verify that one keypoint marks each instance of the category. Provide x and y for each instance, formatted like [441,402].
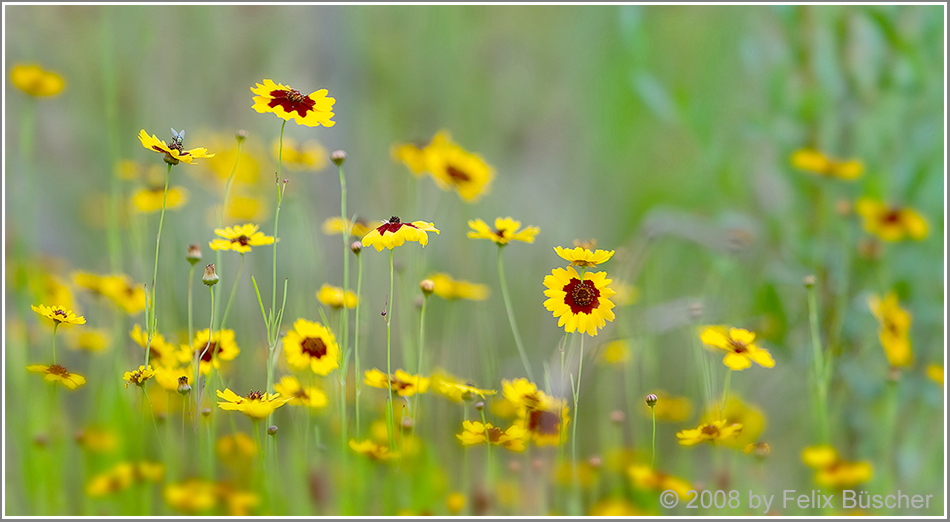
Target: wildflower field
[526,260]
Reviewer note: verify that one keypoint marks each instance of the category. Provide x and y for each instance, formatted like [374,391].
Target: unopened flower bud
[338,157]
[617,417]
[241,135]
[651,400]
[211,277]
[480,405]
[183,387]
[356,247]
[759,449]
[406,423]
[595,462]
[205,412]
[427,286]
[809,281]
[194,254]
[272,430]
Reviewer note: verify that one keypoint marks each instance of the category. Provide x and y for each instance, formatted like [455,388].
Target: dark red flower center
[544,422]
[57,370]
[291,100]
[458,176]
[581,296]
[892,217]
[392,226]
[738,346]
[255,396]
[59,312]
[314,347]
[494,434]
[710,431]
[207,355]
[242,239]
[500,232]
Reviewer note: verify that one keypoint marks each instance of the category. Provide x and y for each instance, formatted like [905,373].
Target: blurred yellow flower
[713,432]
[35,81]
[412,155]
[58,314]
[211,349]
[160,351]
[895,329]
[891,223]
[668,408]
[645,477]
[401,382]
[313,110]
[148,200]
[93,340]
[372,450]
[309,155]
[119,288]
[239,447]
[240,238]
[616,353]
[581,256]
[814,161]
[832,471]
[169,377]
[478,433]
[309,396]
[548,426]
[455,502]
[191,496]
[335,225]
[256,406]
[97,440]
[739,343]
[140,376]
[614,507]
[246,168]
[174,153]
[736,411]
[454,168]
[118,478]
[626,294]
[581,302]
[451,387]
[448,288]
[333,296]
[239,503]
[935,372]
[311,346]
[394,233]
[56,373]
[506,230]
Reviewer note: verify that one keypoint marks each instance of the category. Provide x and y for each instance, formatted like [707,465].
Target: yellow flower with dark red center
[174,153]
[123,475]
[394,233]
[413,155]
[524,394]
[739,345]
[211,349]
[479,433]
[582,256]
[401,382]
[150,199]
[895,329]
[668,408]
[814,161]
[311,345]
[372,450]
[506,230]
[645,477]
[140,376]
[935,372]
[581,302]
[357,228]
[240,238]
[547,425]
[891,223]
[255,405]
[448,288]
[312,109]
[309,155]
[191,496]
[35,81]
[56,373]
[334,297]
[737,411]
[309,396]
[454,168]
[712,432]
[58,314]
[160,351]
[832,470]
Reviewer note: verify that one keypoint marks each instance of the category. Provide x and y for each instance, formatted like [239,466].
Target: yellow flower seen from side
[739,345]
[412,155]
[478,433]
[448,288]
[58,314]
[394,233]
[311,346]
[238,447]
[580,302]
[300,395]
[334,297]
[891,223]
[935,372]
[451,387]
[581,256]
[256,406]
[401,382]
[737,411]
[615,353]
[833,471]
[140,376]
[240,238]
[211,349]
[312,110]
[309,155]
[35,81]
[169,378]
[372,450]
[148,200]
[124,293]
[712,432]
[94,340]
[454,168]
[814,161]
[192,496]
[56,373]
[174,152]
[895,329]
[357,228]
[645,477]
[505,231]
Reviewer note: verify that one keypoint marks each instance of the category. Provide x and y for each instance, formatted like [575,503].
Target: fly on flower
[178,137]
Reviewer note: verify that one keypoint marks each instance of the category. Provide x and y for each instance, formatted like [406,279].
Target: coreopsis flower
[56,373]
[737,411]
[372,450]
[712,432]
[211,349]
[309,396]
[548,424]
[891,223]
[311,345]
[334,297]
[668,408]
[523,393]
[614,507]
[160,351]
[239,503]
[357,228]
[140,376]
[97,440]
[454,168]
[245,207]
[170,378]
[246,168]
[256,406]
[895,328]
[174,152]
[394,233]
[645,477]
[818,163]
[115,479]
[615,353]
[52,289]
[479,433]
[453,388]
[739,345]
[94,340]
[413,155]
[580,302]
[447,288]
[506,230]
[309,155]
[124,293]
[759,449]
[312,109]
[832,470]
[58,314]
[150,199]
[191,496]
[401,382]
[935,372]
[239,447]
[582,256]
[35,81]
[240,238]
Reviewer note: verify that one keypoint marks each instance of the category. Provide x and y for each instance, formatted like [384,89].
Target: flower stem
[191,326]
[227,185]
[356,339]
[511,316]
[346,310]
[151,327]
[280,159]
[577,394]
[224,320]
[653,460]
[725,395]
[817,354]
[55,326]
[200,395]
[389,365]
[422,344]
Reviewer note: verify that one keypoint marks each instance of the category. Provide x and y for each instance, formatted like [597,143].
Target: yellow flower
[33,80]
[333,296]
[448,288]
[401,382]
[935,372]
[478,433]
[739,345]
[246,168]
[240,503]
[712,432]
[626,294]
[124,293]
[160,351]
[256,405]
[451,387]
[240,238]
[581,302]
[191,496]
[455,502]
[211,349]
[736,411]
[394,233]
[309,155]
[245,208]
[615,353]
[524,394]
[548,425]
[58,314]
[238,447]
[357,228]
[580,256]
[895,329]
[668,408]
[52,289]
[832,471]
[645,477]
[169,377]
[174,153]
[506,230]
[140,376]
[814,161]
[372,450]
[614,507]
[311,345]
[57,373]
[122,475]
[891,223]
[412,155]
[310,396]
[454,168]
[94,340]
[97,440]
[312,110]
[150,199]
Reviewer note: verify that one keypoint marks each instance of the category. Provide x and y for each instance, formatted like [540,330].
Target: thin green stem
[197,362]
[489,471]
[346,310]
[725,394]
[818,355]
[55,326]
[151,327]
[227,185]
[577,393]
[280,159]
[224,320]
[356,339]
[653,460]
[389,364]
[191,325]
[511,316]
[422,344]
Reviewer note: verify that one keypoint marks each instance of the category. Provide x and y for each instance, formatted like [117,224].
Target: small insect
[178,137]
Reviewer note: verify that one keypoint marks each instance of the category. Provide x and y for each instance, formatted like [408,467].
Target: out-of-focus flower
[615,353]
[669,408]
[891,223]
[150,199]
[645,477]
[505,231]
[712,432]
[237,448]
[478,433]
[454,168]
[935,372]
[832,470]
[311,345]
[211,349]
[818,163]
[334,297]
[56,373]
[372,450]
[448,288]
[192,496]
[614,507]
[92,340]
[739,345]
[401,382]
[357,228]
[309,396]
[309,155]
[895,329]
[35,81]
